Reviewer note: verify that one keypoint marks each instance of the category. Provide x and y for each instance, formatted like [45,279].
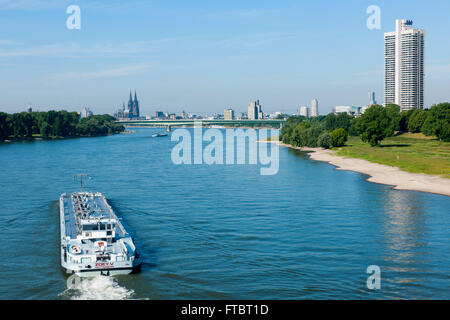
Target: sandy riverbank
[379,173]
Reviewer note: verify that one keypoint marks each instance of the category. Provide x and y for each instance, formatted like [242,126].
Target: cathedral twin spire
[133,106]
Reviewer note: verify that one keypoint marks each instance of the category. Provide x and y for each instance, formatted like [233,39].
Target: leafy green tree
[293,121]
[325,140]
[305,133]
[286,134]
[28,123]
[18,125]
[45,129]
[288,128]
[416,120]
[282,116]
[438,122]
[312,134]
[4,126]
[375,125]
[299,137]
[57,127]
[341,120]
[330,122]
[339,137]
[404,119]
[57,124]
[51,116]
[352,130]
[393,112]
[317,119]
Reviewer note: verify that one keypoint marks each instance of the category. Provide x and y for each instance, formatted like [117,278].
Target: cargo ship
[93,239]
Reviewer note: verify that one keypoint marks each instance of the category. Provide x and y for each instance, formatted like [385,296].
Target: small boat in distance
[93,239]
[159,134]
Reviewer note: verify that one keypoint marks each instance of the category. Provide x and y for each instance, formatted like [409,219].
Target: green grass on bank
[410,152]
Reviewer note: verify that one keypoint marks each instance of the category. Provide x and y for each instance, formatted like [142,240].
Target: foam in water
[97,288]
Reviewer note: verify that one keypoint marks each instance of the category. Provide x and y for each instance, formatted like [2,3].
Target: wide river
[220,231]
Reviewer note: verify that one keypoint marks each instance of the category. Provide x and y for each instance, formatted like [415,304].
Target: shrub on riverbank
[339,137]
[325,140]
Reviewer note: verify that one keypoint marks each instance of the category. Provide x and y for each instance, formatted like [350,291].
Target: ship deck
[94,208]
[88,248]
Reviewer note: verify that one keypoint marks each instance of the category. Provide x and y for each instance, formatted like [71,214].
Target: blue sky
[204,56]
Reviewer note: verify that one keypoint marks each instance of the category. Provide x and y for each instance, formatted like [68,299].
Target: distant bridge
[272,123]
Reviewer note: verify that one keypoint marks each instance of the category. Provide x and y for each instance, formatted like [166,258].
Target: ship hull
[85,273]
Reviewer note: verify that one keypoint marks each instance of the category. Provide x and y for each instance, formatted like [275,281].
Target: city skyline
[284,53]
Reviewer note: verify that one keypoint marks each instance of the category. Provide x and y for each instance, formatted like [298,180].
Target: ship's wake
[97,288]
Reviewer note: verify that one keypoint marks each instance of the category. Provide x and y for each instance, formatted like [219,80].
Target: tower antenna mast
[81,179]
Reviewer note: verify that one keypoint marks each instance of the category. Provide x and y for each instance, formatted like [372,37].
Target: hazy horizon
[203,57]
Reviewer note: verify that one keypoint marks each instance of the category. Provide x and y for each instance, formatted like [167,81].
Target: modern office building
[342,109]
[252,114]
[372,99]
[404,66]
[350,110]
[159,115]
[86,113]
[260,113]
[254,110]
[228,114]
[305,111]
[314,108]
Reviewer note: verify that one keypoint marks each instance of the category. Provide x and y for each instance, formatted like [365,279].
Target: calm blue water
[220,232]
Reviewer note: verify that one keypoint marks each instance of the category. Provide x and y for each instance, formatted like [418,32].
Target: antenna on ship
[81,179]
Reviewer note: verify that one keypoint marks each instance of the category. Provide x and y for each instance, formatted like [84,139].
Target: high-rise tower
[314,108]
[404,66]
[255,110]
[305,111]
[372,99]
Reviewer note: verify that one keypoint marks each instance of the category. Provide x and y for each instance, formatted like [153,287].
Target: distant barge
[157,135]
